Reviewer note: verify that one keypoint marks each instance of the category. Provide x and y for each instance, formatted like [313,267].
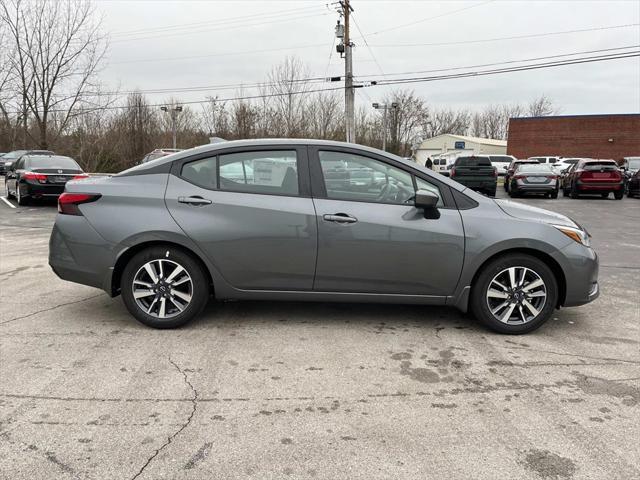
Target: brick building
[593,136]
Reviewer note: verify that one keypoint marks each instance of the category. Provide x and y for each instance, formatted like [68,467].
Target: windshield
[51,162]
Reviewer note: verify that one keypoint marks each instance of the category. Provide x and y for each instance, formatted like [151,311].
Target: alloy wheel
[162,288]
[516,295]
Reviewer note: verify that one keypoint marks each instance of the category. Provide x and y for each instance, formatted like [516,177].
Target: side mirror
[426,199]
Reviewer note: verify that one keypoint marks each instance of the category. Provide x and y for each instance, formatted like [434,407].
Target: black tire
[618,194]
[554,194]
[506,184]
[491,193]
[565,193]
[605,195]
[479,304]
[8,194]
[21,199]
[199,290]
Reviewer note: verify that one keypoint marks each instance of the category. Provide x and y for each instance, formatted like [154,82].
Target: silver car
[316,221]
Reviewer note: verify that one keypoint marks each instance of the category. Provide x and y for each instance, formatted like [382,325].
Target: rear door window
[201,172]
[271,172]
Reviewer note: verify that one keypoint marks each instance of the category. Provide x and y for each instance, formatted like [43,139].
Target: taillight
[518,177]
[453,172]
[68,202]
[40,177]
[80,176]
[495,172]
[552,177]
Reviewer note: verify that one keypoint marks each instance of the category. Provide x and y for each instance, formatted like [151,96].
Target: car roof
[266,142]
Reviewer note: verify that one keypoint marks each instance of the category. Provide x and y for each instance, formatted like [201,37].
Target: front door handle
[340,218]
[195,200]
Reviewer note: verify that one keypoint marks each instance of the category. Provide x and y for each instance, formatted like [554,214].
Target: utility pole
[347,48]
[174,113]
[384,107]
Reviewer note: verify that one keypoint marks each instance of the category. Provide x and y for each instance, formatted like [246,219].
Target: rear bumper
[42,190]
[77,253]
[478,184]
[543,187]
[599,186]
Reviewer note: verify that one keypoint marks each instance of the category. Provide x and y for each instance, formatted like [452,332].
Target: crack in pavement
[194,404]
[50,308]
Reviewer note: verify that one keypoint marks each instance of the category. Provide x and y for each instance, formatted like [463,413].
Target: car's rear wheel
[554,194]
[514,294]
[164,287]
[21,199]
[618,194]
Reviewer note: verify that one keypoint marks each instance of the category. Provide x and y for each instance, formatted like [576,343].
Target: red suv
[594,177]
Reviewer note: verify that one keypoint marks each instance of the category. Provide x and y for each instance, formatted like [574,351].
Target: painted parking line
[4,199]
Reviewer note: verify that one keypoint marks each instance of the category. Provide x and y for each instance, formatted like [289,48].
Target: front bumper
[580,266]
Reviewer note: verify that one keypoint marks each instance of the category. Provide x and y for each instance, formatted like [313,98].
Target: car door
[371,239]
[251,212]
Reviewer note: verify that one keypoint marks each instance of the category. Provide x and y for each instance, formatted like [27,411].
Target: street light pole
[384,107]
[174,113]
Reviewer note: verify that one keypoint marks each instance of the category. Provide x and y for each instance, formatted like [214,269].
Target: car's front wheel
[164,287]
[514,294]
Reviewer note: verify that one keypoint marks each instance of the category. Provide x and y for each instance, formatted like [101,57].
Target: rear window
[533,167]
[600,166]
[51,162]
[473,162]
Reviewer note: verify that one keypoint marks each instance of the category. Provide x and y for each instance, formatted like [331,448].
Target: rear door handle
[195,200]
[340,218]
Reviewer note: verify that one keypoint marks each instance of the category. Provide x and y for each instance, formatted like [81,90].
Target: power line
[232,27]
[514,37]
[384,30]
[506,62]
[219,21]
[519,68]
[322,79]
[227,54]
[367,44]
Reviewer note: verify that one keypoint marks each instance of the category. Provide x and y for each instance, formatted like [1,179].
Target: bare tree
[406,121]
[447,120]
[541,107]
[287,81]
[59,51]
[215,117]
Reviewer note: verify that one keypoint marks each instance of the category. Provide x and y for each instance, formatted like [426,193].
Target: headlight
[577,234]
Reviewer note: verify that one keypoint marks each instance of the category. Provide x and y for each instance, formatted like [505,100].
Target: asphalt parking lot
[299,390]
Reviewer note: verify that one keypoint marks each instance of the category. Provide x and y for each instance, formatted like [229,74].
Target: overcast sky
[233,42]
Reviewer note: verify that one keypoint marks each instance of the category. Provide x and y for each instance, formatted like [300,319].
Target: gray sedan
[315,221]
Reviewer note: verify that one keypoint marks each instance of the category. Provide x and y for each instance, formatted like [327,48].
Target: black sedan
[40,176]
[633,185]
